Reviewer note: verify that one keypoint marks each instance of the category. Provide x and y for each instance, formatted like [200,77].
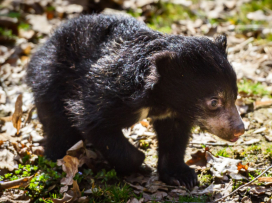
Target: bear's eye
[214,103]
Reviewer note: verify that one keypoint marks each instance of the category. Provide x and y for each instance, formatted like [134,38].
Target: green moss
[253,149]
[24,26]
[6,32]
[163,15]
[241,17]
[193,199]
[166,14]
[254,88]
[225,152]
[205,179]
[113,193]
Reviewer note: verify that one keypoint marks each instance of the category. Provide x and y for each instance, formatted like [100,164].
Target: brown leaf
[29,114]
[262,104]
[63,189]
[22,182]
[265,179]
[241,166]
[26,48]
[91,154]
[144,123]
[76,150]
[50,15]
[7,160]
[70,166]
[6,119]
[84,199]
[17,115]
[66,198]
[198,158]
[137,187]
[38,150]
[76,191]
[134,200]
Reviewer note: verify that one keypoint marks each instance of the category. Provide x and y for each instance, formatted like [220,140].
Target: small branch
[241,45]
[244,185]
[220,144]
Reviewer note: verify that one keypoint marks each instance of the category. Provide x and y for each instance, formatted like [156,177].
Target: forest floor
[223,168]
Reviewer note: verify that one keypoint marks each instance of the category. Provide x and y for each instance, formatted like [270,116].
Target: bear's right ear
[164,61]
[221,42]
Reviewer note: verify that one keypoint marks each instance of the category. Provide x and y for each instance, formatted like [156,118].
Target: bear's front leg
[173,136]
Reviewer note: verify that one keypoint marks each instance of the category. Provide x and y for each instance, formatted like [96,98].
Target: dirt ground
[83,175]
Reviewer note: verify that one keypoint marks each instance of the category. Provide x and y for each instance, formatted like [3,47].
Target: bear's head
[197,80]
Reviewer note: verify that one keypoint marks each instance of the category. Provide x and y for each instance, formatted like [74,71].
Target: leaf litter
[221,168]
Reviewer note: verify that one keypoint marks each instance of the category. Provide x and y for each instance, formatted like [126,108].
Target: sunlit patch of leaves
[164,14]
[49,173]
[255,88]
[241,17]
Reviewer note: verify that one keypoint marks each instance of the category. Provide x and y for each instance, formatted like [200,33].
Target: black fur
[97,72]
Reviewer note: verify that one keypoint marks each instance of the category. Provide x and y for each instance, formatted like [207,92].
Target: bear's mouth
[234,139]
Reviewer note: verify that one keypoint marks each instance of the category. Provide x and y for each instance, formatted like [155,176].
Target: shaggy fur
[98,74]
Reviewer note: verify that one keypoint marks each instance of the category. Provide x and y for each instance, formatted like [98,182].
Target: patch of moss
[250,87]
[225,152]
[205,179]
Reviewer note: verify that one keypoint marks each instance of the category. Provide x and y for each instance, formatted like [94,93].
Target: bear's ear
[221,42]
[164,61]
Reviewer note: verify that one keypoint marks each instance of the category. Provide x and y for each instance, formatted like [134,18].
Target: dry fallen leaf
[70,166]
[7,160]
[76,150]
[6,119]
[145,124]
[17,115]
[29,114]
[22,182]
[72,195]
[265,179]
[198,158]
[262,104]
[241,166]
[66,198]
[222,165]
[75,191]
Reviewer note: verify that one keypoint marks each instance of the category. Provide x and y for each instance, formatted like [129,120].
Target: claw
[192,184]
[176,182]
[183,184]
[195,182]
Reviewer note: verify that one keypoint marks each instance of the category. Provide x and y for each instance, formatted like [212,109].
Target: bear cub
[98,74]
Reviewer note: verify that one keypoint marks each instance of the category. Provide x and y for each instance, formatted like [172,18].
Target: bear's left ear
[221,42]
[164,61]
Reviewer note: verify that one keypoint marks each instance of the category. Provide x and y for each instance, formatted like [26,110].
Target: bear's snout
[239,130]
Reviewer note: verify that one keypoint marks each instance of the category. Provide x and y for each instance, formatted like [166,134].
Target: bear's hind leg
[117,150]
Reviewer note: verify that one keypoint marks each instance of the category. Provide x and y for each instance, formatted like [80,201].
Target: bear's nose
[239,130]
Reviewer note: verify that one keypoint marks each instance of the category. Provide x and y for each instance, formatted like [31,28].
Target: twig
[241,45]
[243,185]
[220,144]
